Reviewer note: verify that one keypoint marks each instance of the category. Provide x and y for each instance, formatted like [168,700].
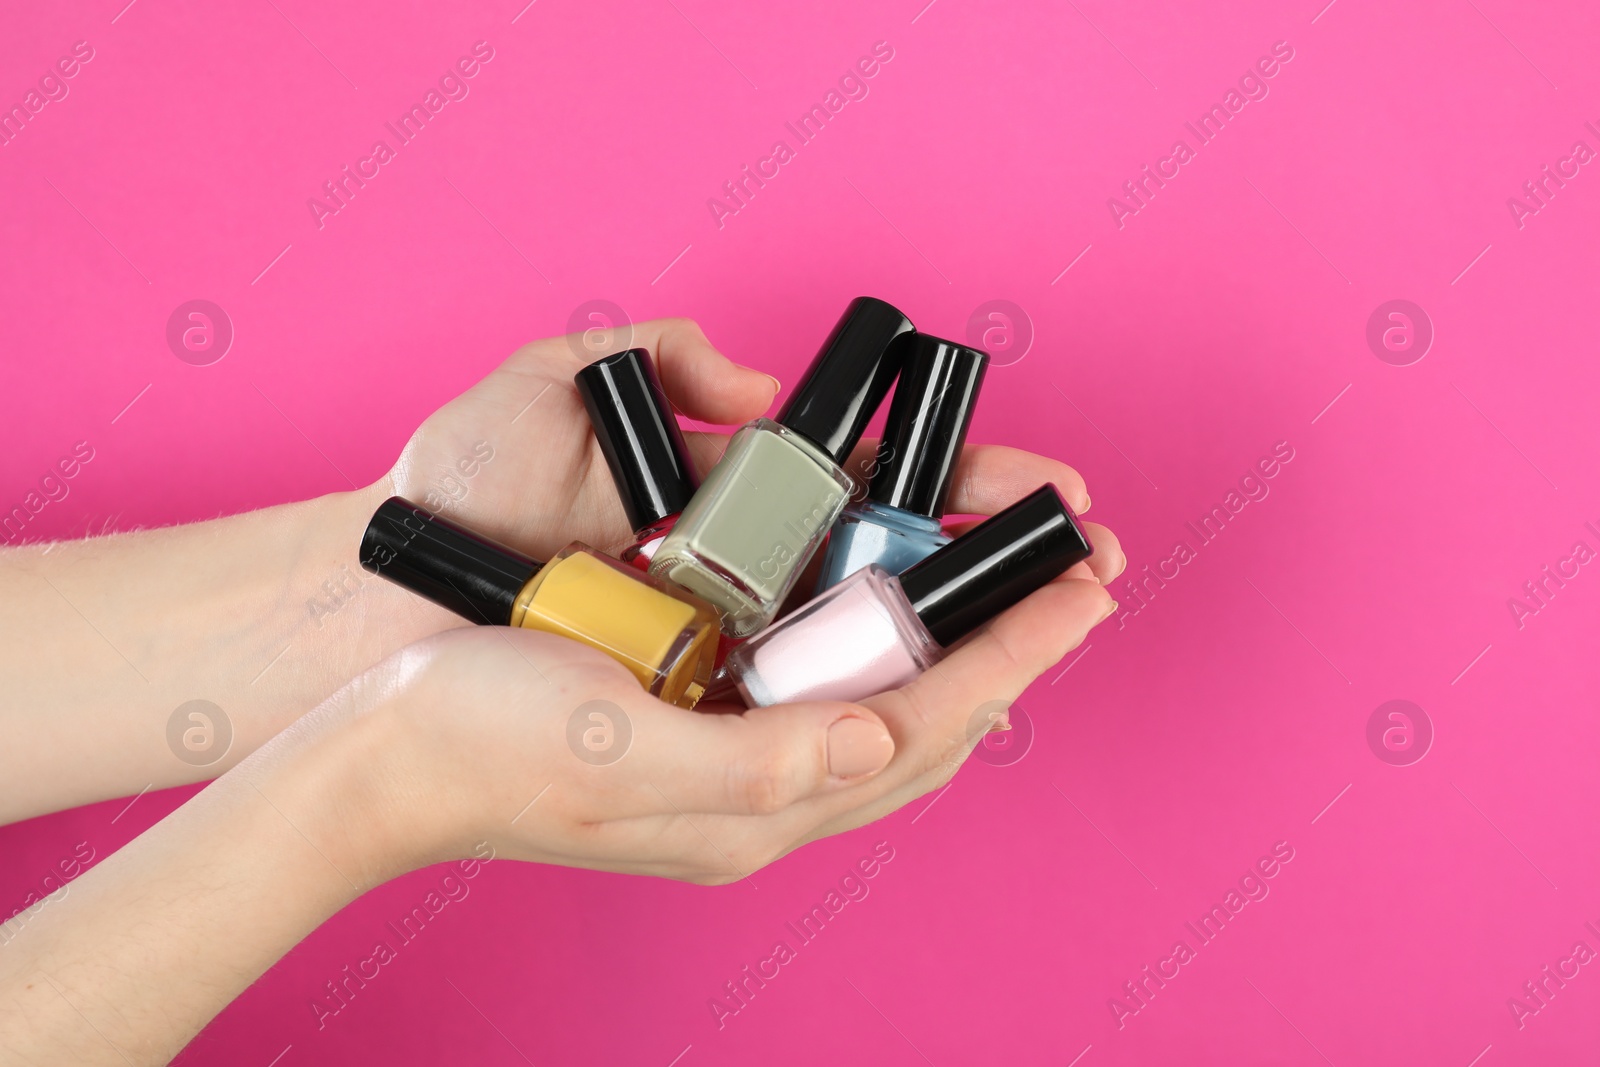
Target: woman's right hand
[551,752]
[477,736]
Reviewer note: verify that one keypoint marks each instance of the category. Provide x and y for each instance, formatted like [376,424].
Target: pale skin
[447,731]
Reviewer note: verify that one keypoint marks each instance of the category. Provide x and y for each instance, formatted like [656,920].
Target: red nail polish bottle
[644,447]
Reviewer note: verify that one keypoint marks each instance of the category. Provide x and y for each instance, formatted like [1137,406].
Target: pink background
[1224,317]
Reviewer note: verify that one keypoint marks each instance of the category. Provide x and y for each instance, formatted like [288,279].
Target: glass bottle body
[871,532]
[754,524]
[666,638]
[858,638]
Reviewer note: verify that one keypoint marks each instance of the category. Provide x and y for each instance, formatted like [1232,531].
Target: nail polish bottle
[666,637]
[764,508]
[874,632]
[643,446]
[898,522]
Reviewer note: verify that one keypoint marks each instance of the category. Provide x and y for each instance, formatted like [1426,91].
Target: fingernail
[777,386]
[999,726]
[857,747]
[1085,503]
[1109,609]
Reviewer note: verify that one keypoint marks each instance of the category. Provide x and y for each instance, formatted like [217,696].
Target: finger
[1108,560]
[990,478]
[1106,564]
[701,382]
[998,663]
[705,449]
[761,762]
[936,718]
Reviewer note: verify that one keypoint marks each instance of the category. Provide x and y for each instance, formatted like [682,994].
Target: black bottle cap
[849,377]
[995,564]
[639,435]
[473,576]
[928,420]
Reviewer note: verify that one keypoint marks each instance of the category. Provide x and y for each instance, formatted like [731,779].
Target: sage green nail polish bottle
[761,512]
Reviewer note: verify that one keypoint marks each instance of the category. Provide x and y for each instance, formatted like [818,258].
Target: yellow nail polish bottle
[665,636]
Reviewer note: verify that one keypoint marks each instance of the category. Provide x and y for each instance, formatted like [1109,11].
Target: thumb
[767,759]
[700,381]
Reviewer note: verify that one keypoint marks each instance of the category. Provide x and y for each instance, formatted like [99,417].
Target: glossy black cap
[995,564]
[639,435]
[850,377]
[928,420]
[473,576]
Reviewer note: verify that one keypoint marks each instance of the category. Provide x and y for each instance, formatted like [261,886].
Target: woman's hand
[551,751]
[547,483]
[543,749]
[263,615]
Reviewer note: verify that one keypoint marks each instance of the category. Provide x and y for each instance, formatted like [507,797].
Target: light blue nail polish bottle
[898,523]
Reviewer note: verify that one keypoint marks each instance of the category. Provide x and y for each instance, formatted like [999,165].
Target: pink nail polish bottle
[874,632]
